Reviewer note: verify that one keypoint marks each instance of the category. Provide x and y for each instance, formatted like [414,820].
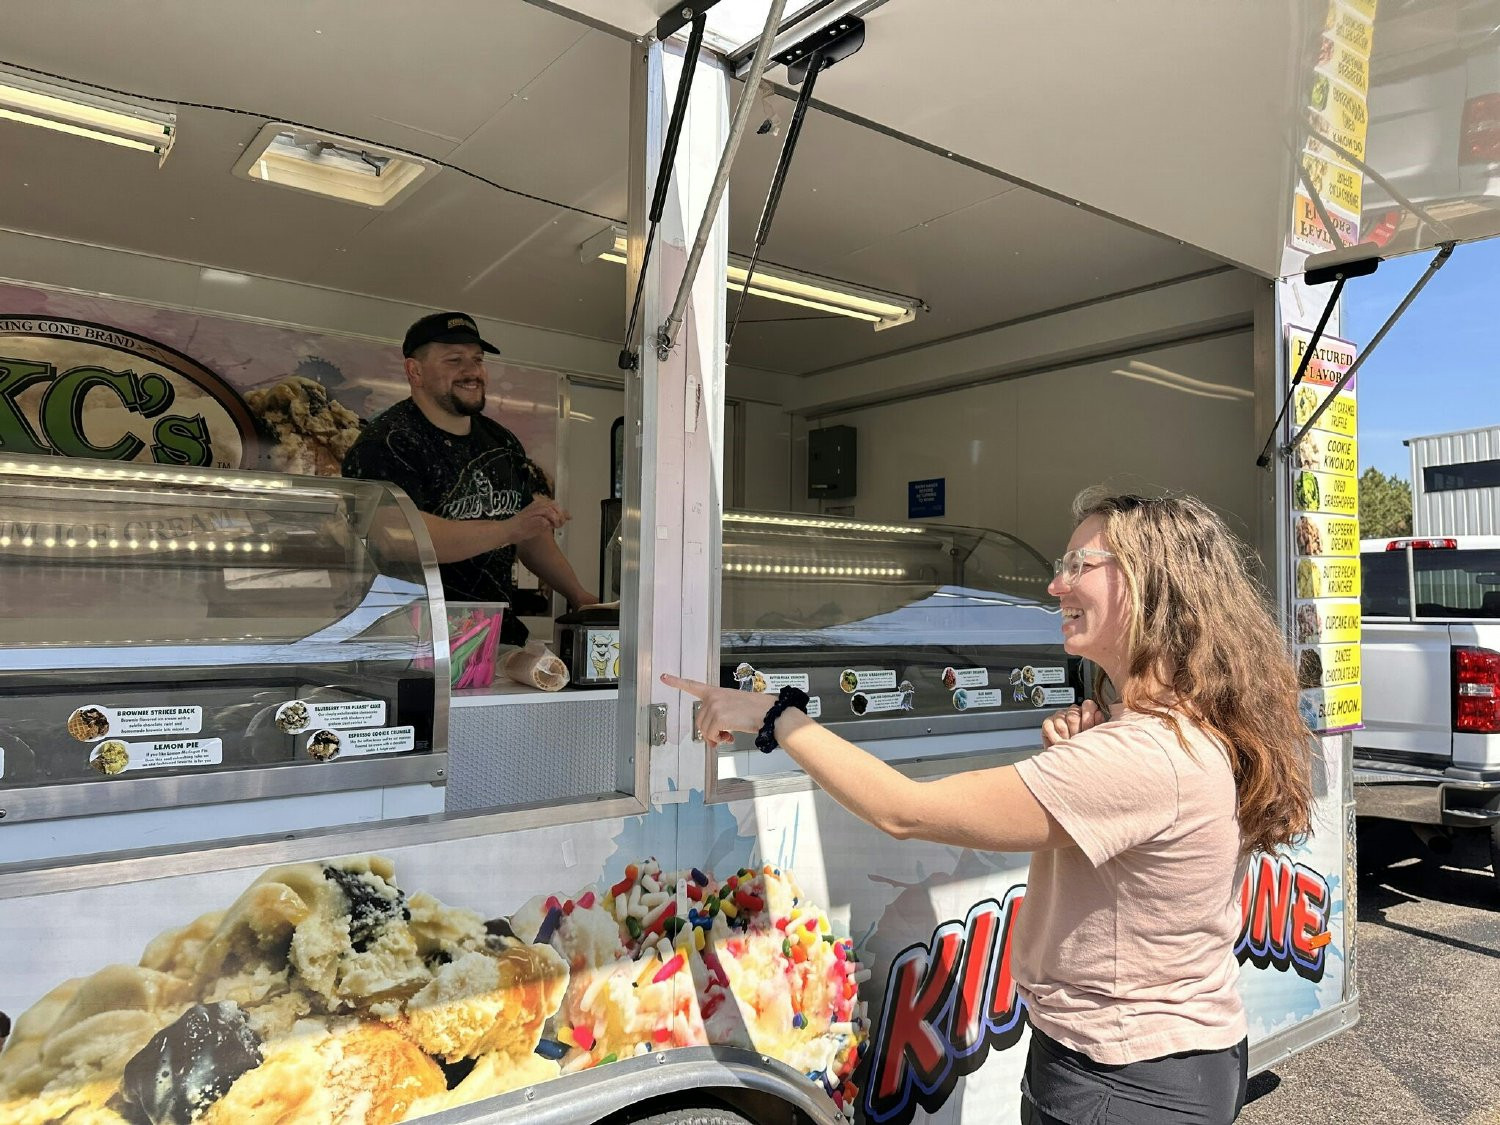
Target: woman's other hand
[724,710]
[1067,723]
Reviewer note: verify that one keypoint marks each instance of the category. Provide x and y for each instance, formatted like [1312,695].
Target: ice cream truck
[815,316]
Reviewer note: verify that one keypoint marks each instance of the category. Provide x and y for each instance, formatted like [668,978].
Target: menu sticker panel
[297,715]
[1327,622]
[815,707]
[115,756]
[94,721]
[326,745]
[966,678]
[1043,696]
[965,699]
[878,680]
[1351,29]
[1323,493]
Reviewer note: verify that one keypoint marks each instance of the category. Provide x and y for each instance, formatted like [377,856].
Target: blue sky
[1436,371]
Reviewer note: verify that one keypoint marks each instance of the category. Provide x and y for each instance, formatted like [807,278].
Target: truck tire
[700,1116]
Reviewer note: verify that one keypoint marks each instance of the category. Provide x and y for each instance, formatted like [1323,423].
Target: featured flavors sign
[73,388]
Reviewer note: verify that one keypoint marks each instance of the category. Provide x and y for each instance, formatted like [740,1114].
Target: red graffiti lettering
[946,1004]
[1284,908]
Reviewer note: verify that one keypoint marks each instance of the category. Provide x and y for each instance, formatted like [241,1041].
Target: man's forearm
[456,540]
[545,559]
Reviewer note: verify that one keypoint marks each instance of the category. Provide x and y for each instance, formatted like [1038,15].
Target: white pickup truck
[1429,753]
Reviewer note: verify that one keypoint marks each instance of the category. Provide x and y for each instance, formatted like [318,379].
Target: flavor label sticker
[868,704]
[1330,710]
[1328,666]
[1042,696]
[966,678]
[115,756]
[1326,453]
[1051,696]
[1327,623]
[2,761]
[775,681]
[296,716]
[881,680]
[815,707]
[93,721]
[326,745]
[1030,676]
[1326,535]
[1321,492]
[1327,578]
[966,700]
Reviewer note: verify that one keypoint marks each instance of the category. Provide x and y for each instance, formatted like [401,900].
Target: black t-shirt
[482,475]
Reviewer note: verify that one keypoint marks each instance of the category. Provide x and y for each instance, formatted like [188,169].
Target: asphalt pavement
[1426,1050]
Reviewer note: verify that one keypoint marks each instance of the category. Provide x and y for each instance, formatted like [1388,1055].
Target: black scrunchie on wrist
[789,696]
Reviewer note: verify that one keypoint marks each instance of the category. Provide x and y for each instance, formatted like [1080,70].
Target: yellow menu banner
[1351,29]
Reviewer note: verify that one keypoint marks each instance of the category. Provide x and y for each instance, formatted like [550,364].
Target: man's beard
[465,407]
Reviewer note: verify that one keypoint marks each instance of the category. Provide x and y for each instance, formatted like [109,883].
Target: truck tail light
[1476,690]
[1479,142]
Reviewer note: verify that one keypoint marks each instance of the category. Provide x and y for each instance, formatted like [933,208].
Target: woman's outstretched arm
[988,810]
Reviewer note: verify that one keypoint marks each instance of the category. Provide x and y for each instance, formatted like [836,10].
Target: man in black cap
[484,501]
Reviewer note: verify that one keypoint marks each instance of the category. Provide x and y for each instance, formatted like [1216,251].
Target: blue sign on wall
[926,498]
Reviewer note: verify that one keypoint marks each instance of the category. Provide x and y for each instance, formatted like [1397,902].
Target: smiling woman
[1140,811]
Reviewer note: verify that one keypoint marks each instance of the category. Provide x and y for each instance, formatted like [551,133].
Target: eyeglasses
[1071,566]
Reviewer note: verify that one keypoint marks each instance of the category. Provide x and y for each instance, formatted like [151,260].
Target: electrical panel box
[832,463]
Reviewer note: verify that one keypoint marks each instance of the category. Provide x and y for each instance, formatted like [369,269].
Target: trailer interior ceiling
[533,97]
[537,102]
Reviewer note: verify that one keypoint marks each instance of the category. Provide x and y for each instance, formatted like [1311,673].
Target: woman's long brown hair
[1203,640]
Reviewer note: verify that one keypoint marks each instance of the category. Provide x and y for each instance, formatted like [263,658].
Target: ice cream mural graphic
[326,992]
[950,1001]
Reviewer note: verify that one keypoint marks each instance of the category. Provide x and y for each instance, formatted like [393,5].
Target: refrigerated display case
[895,629]
[174,638]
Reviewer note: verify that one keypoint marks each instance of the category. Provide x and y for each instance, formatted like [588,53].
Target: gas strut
[804,62]
[669,24]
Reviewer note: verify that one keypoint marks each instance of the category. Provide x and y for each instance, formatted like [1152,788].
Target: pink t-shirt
[1125,943]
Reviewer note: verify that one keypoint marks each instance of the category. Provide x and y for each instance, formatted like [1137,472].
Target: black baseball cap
[445,328]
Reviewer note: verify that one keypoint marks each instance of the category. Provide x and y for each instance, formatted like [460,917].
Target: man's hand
[541,517]
[1067,723]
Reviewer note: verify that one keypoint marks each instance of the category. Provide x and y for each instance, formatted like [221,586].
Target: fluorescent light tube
[81,113]
[883,310]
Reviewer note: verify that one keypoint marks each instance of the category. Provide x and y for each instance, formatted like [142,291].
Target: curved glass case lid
[793,579]
[134,566]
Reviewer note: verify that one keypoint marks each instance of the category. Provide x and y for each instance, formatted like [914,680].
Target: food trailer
[263,858]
